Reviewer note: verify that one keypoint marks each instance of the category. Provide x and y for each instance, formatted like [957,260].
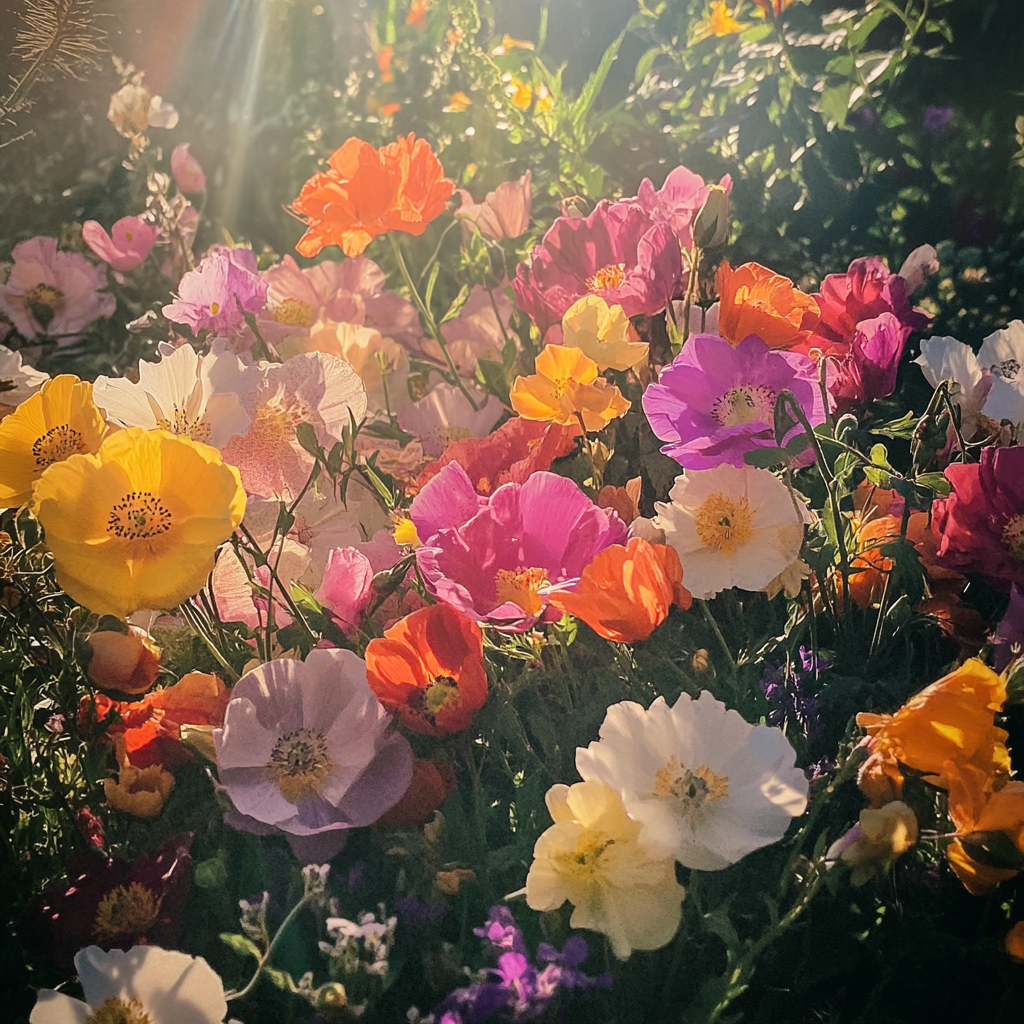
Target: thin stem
[189,615]
[265,959]
[718,633]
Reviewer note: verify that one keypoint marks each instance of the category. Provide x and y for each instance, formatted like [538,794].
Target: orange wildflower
[385,55]
[428,669]
[520,93]
[565,389]
[138,791]
[721,22]
[417,16]
[128,662]
[626,592]
[1015,941]
[975,809]
[756,300]
[770,7]
[367,192]
[457,103]
[432,783]
[950,721]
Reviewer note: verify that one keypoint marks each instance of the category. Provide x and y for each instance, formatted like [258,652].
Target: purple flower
[786,690]
[306,747]
[418,914]
[935,118]
[496,558]
[715,402]
[868,371]
[213,296]
[619,252]
[1008,639]
[499,931]
[678,200]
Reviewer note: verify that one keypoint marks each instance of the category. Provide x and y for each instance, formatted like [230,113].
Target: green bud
[711,224]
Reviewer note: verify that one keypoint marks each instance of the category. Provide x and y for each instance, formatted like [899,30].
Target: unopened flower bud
[711,225]
[331,996]
[918,266]
[128,662]
[187,171]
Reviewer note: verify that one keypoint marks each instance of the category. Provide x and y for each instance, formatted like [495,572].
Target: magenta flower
[980,526]
[346,587]
[868,370]
[128,244]
[53,293]
[186,170]
[866,291]
[619,252]
[306,747]
[496,558]
[715,402]
[677,201]
[213,296]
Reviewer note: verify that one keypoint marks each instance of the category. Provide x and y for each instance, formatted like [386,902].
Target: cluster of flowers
[193,495]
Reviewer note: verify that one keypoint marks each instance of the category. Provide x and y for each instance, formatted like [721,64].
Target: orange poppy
[756,300]
[432,783]
[768,7]
[626,592]
[428,669]
[975,808]
[367,192]
[1015,941]
[950,721]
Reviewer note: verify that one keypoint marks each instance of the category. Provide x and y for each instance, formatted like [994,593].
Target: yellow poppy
[565,389]
[602,333]
[58,421]
[136,525]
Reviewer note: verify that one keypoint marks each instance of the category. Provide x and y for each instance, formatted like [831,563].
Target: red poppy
[432,783]
[428,669]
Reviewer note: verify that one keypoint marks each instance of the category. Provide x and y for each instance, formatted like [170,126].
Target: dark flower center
[299,762]
[44,301]
[138,516]
[57,444]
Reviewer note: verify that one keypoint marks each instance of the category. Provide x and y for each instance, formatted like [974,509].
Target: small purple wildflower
[1008,639]
[936,118]
[418,914]
[785,688]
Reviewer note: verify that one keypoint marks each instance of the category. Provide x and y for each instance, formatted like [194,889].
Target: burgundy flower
[980,526]
[619,252]
[868,370]
[112,903]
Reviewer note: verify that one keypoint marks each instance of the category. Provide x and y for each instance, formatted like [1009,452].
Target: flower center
[299,763]
[520,586]
[58,444]
[583,861]
[44,300]
[185,426]
[610,276]
[130,909]
[563,384]
[1013,537]
[277,418]
[294,313]
[724,523]
[442,693]
[120,1011]
[689,790]
[451,434]
[745,404]
[214,308]
[138,516]
[1007,369]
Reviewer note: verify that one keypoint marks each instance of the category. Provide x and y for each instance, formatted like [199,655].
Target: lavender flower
[936,118]
[786,688]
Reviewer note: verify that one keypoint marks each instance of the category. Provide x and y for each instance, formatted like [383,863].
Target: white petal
[56,1008]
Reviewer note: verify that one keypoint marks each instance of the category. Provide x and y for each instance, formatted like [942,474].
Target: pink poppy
[214,295]
[128,244]
[346,588]
[186,170]
[504,213]
[53,293]
[678,200]
[868,371]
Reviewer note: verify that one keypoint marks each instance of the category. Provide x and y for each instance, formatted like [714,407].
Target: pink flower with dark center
[213,296]
[678,200]
[495,558]
[128,244]
[53,293]
[619,252]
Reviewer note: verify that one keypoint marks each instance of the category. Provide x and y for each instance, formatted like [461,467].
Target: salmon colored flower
[950,721]
[128,662]
[58,421]
[457,103]
[1015,941]
[602,333]
[626,592]
[417,16]
[385,55]
[974,809]
[756,300]
[625,501]
[367,192]
[429,670]
[565,389]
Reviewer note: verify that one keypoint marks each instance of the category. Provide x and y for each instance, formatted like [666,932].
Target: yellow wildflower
[139,791]
[721,22]
[545,101]
[565,389]
[457,103]
[602,333]
[58,421]
[519,93]
[137,524]
[508,44]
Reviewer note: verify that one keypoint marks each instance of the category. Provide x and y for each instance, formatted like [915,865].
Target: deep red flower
[432,783]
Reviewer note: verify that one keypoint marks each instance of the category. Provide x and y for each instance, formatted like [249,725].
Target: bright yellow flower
[602,333]
[136,525]
[545,101]
[58,421]
[721,22]
[593,858]
[519,93]
[565,388]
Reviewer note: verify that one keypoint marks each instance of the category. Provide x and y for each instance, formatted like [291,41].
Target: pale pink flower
[53,293]
[234,596]
[476,333]
[186,169]
[346,586]
[312,388]
[678,200]
[128,244]
[443,415]
[504,213]
[214,295]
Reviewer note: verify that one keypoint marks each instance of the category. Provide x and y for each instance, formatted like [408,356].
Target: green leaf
[644,64]
[456,307]
[588,94]
[431,281]
[306,436]
[242,945]
[285,520]
[902,428]
[493,378]
[835,103]
[936,482]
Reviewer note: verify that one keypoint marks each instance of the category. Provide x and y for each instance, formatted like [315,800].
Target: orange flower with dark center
[367,192]
[951,721]
[756,300]
[626,592]
[428,669]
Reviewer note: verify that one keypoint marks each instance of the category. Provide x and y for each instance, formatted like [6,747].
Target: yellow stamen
[724,523]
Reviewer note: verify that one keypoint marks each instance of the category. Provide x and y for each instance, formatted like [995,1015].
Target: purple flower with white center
[496,558]
[716,402]
[306,747]
[214,295]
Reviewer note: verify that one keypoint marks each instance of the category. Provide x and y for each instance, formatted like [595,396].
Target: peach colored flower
[756,300]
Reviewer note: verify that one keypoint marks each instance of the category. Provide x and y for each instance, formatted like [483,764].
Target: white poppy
[731,527]
[703,783]
[1002,354]
[200,397]
[145,985]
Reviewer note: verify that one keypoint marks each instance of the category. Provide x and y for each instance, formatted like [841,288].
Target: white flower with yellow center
[731,527]
[193,396]
[145,985]
[705,785]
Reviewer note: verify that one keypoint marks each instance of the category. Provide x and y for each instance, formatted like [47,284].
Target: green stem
[188,614]
[265,959]
[718,633]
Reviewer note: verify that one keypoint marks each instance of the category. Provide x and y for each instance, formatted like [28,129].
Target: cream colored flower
[705,785]
[593,858]
[603,333]
[732,527]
